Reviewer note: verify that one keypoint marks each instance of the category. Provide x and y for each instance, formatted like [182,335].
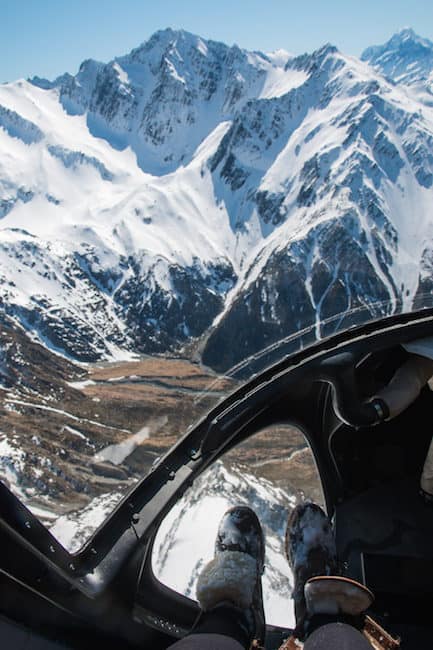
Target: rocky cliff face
[339,189]
[164,97]
[190,191]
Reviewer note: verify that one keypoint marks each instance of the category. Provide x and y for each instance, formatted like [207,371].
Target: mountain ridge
[189,187]
[405,59]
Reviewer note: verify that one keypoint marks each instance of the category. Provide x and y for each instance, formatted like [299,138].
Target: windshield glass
[175,221]
[72,453]
[76,438]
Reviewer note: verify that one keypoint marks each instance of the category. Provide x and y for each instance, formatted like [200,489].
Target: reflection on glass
[72,447]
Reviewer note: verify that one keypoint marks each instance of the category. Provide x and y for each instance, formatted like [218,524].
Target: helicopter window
[71,454]
[270,472]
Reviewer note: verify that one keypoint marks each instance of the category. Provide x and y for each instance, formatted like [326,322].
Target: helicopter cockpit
[109,590]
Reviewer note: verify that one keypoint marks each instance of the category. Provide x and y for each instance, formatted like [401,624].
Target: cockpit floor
[385,540]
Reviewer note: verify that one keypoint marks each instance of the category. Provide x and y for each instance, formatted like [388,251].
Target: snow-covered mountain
[188,188]
[405,59]
[167,95]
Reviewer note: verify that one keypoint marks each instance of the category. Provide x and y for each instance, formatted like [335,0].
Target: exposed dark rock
[270,207]
[344,286]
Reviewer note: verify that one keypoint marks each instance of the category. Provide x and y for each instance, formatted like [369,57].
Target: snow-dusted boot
[311,551]
[233,578]
[320,594]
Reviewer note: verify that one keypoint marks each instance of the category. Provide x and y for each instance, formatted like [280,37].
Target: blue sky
[49,37]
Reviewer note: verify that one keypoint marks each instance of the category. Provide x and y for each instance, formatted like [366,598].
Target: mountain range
[195,198]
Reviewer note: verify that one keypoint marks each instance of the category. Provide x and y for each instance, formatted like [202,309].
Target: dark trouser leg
[224,628]
[206,642]
[336,636]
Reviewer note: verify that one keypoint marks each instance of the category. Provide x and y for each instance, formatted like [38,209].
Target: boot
[320,594]
[311,551]
[233,578]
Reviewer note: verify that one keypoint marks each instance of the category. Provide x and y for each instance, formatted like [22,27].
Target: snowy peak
[409,38]
[165,40]
[308,60]
[406,58]
[166,96]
